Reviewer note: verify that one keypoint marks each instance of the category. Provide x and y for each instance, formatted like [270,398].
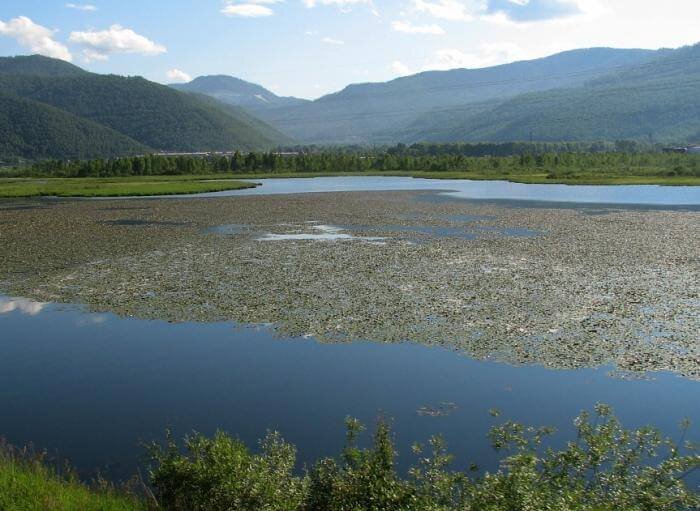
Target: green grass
[116,187]
[29,485]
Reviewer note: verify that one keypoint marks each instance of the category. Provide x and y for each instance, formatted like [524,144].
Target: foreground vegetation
[116,187]
[605,468]
[27,483]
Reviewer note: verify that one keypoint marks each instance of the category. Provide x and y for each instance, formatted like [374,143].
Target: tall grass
[29,483]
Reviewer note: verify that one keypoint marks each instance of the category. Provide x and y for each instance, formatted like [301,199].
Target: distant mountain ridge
[658,100]
[234,91]
[378,112]
[127,114]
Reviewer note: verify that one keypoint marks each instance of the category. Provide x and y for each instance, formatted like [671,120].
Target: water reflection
[21,305]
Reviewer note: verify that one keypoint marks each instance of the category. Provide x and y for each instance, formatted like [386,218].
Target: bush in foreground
[605,468]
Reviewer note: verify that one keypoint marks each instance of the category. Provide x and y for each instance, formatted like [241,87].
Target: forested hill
[34,130]
[38,65]
[361,112]
[235,91]
[658,100]
[152,116]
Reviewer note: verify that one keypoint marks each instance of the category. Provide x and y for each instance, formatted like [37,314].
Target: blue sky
[307,48]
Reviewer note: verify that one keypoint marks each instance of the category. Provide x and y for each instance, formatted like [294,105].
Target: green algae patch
[619,289]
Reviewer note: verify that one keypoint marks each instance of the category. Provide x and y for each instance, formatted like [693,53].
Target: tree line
[416,158]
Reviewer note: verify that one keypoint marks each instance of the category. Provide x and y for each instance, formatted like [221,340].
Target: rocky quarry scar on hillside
[557,287]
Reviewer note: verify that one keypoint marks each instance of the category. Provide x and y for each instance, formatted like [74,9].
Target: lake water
[651,195]
[90,387]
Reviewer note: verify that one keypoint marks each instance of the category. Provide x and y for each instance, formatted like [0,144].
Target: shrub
[605,468]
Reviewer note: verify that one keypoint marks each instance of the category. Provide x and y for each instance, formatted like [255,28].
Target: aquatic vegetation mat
[555,287]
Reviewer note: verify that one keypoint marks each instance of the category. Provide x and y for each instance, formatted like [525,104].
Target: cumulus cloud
[178,75]
[99,45]
[82,7]
[37,38]
[407,27]
[248,8]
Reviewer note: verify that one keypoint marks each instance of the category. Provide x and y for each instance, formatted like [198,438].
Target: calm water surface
[91,386]
[494,190]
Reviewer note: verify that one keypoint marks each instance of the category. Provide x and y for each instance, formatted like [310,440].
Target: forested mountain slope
[241,113]
[33,130]
[154,116]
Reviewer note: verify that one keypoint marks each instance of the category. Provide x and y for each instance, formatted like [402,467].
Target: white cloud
[178,75]
[330,40]
[452,10]
[407,27]
[37,38]
[343,5]
[82,7]
[248,8]
[400,68]
[339,3]
[510,12]
[99,45]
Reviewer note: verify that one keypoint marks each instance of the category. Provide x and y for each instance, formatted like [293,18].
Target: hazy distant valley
[625,94]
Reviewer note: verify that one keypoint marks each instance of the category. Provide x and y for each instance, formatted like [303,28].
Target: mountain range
[53,109]
[587,94]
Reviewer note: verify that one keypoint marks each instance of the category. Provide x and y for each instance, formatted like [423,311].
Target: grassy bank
[116,186]
[605,468]
[28,484]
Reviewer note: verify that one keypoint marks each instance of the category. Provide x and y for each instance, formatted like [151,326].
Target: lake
[89,387]
[482,190]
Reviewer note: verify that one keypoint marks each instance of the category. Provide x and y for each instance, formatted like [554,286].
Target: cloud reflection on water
[21,305]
